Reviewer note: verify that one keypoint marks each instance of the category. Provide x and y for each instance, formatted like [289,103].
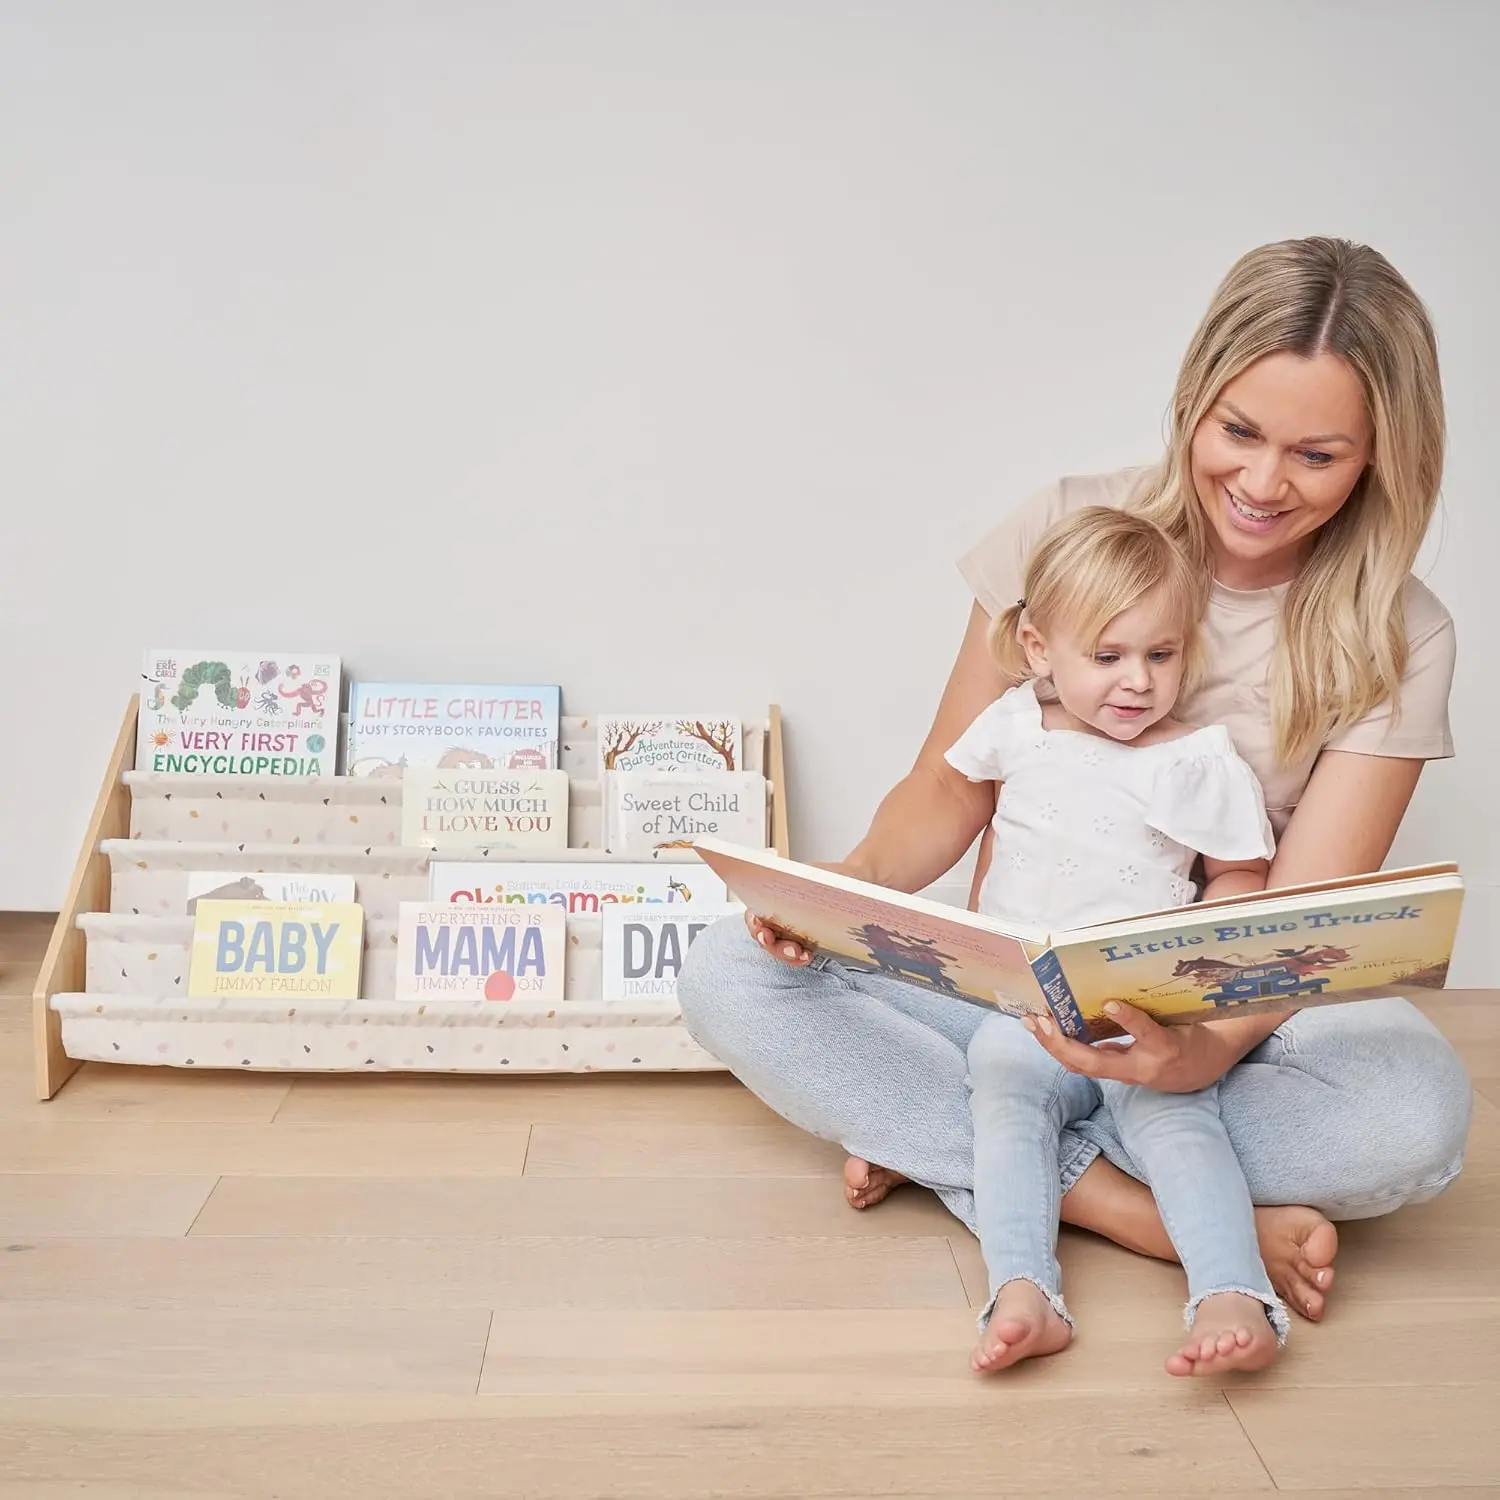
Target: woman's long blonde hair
[1089,567]
[1342,645]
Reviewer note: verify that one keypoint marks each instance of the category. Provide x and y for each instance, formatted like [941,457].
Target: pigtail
[1004,646]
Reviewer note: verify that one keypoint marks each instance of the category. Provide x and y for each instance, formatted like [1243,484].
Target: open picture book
[1275,950]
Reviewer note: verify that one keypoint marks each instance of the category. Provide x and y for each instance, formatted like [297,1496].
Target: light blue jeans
[1022,1101]
[1353,1109]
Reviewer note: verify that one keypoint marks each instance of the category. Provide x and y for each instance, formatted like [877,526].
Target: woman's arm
[1344,825]
[927,821]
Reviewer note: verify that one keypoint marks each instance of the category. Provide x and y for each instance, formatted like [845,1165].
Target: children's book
[476,726]
[460,809]
[1276,950]
[238,713]
[277,950]
[646,810]
[233,885]
[578,887]
[643,947]
[669,742]
[480,952]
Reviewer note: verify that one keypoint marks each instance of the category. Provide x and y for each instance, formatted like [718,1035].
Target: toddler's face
[1127,681]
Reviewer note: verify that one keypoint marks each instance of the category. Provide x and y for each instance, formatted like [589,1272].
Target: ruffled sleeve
[986,750]
[1210,801]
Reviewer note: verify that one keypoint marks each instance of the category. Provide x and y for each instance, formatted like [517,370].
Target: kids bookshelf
[111,986]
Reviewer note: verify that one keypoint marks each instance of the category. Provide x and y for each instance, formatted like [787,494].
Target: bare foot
[866,1184]
[1230,1332]
[1298,1246]
[1023,1325]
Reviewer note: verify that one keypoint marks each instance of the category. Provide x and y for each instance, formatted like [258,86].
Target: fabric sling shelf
[112,984]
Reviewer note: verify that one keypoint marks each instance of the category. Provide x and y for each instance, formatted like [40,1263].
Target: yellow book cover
[1275,950]
[1205,962]
[277,950]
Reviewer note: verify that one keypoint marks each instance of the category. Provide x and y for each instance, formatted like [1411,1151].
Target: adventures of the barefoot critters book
[1275,950]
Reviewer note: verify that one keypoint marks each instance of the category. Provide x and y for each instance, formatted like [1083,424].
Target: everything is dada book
[1276,950]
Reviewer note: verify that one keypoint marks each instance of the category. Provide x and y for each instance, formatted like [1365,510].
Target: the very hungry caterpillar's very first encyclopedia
[1267,951]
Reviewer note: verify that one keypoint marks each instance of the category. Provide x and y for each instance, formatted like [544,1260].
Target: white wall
[697,339]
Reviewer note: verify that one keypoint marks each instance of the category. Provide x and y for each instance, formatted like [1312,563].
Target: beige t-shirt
[1240,636]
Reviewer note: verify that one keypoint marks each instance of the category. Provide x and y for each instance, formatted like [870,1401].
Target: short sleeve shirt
[1092,829]
[1240,637]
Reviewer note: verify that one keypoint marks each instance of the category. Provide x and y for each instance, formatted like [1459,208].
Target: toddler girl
[1105,803]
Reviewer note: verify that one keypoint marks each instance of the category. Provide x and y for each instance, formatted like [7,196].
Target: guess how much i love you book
[1274,950]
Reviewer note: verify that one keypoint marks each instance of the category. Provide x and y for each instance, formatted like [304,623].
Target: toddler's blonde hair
[1091,566]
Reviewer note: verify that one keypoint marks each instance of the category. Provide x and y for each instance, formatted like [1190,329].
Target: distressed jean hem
[1054,1298]
[1276,1313]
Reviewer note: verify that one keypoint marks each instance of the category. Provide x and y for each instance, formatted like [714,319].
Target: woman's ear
[1031,642]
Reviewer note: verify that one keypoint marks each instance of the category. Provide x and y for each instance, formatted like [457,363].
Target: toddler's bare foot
[1230,1332]
[1298,1246]
[866,1184]
[1023,1325]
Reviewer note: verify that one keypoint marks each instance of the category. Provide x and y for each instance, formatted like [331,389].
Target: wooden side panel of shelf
[775,769]
[62,968]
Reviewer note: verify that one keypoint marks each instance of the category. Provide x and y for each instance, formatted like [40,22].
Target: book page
[902,937]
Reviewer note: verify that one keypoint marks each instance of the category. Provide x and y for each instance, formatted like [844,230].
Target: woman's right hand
[780,944]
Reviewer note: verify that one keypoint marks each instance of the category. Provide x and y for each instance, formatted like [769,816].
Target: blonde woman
[1305,454]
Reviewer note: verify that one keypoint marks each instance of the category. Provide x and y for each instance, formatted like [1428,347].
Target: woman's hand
[782,945]
[1169,1059]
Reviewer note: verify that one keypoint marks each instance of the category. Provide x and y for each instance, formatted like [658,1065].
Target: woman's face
[1274,457]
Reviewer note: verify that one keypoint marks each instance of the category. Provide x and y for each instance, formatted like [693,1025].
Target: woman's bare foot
[1298,1246]
[866,1184]
[1023,1325]
[1230,1332]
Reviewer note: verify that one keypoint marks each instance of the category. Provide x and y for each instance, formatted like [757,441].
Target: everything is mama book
[1275,950]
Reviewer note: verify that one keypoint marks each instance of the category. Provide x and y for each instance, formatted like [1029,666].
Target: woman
[1303,467]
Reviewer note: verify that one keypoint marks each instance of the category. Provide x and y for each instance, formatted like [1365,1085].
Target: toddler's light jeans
[1352,1109]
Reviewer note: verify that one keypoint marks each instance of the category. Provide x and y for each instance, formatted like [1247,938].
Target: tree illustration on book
[623,737]
[719,737]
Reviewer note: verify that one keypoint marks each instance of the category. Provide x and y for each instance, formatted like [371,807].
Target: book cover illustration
[235,885]
[646,810]
[643,948]
[462,809]
[447,952]
[577,888]
[1269,951]
[226,713]
[669,742]
[1207,962]
[473,726]
[277,950]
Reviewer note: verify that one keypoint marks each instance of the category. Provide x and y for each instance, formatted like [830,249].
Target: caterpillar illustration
[215,674]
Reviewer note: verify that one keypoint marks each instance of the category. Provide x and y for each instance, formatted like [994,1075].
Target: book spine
[1059,995]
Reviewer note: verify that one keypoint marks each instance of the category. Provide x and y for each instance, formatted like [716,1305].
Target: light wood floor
[254,1286]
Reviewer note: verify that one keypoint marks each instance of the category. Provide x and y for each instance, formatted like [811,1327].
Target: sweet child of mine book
[1266,951]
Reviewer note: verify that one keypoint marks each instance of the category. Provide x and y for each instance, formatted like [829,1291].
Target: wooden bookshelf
[147,830]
